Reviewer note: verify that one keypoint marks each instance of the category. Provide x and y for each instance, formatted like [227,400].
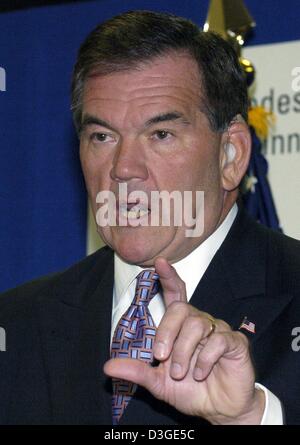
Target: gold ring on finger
[212,325]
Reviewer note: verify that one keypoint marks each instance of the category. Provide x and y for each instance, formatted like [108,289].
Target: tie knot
[147,286]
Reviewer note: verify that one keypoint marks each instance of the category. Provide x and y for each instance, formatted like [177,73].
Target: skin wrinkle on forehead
[143,91]
[141,66]
[138,102]
[194,75]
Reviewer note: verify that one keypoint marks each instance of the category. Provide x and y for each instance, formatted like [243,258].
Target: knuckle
[242,337]
[181,284]
[159,337]
[178,307]
[219,340]
[205,358]
[223,326]
[194,323]
[179,356]
[163,336]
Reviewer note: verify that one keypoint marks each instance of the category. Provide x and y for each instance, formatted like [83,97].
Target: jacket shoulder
[284,246]
[26,294]
[283,258]
[261,259]
[286,251]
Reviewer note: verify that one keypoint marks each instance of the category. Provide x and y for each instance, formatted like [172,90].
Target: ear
[235,153]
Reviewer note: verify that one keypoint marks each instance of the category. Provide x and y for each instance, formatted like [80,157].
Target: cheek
[95,170]
[195,173]
[84,160]
[205,168]
[212,177]
[197,165]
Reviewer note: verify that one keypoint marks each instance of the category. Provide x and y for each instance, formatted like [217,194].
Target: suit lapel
[76,341]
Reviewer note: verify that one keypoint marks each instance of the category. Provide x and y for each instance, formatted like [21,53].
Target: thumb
[135,371]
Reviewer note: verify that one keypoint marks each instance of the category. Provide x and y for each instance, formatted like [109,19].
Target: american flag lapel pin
[247,325]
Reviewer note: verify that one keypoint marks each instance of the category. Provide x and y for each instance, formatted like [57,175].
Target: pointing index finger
[172,285]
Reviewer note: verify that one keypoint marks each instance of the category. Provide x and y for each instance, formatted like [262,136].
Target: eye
[100,137]
[162,134]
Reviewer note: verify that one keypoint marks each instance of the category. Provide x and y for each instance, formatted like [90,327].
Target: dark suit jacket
[58,332]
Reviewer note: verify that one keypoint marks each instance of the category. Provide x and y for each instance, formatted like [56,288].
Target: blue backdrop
[42,195]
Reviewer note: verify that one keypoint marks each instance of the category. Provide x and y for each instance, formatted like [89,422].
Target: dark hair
[128,40]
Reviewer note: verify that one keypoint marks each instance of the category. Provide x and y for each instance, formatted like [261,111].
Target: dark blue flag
[258,198]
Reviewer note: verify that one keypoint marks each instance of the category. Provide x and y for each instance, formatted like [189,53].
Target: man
[159,106]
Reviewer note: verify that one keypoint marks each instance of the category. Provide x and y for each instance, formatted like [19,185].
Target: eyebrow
[167,117]
[164,117]
[93,120]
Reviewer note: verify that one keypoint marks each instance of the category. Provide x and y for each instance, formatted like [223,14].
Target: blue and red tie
[133,338]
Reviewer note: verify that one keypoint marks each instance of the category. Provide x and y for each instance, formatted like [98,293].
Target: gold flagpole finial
[232,20]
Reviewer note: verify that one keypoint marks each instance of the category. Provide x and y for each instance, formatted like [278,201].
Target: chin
[134,256]
[135,251]
[137,246]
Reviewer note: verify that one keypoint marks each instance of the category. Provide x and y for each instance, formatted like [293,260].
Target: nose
[129,162]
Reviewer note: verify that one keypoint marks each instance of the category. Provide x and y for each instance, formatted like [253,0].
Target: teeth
[143,213]
[133,214]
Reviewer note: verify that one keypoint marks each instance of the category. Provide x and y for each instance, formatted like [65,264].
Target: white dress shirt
[190,269]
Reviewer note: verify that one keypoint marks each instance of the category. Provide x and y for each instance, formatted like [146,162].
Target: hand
[205,368]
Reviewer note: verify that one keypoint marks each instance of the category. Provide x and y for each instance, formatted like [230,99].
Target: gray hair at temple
[136,37]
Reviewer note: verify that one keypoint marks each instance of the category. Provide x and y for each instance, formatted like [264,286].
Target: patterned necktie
[133,338]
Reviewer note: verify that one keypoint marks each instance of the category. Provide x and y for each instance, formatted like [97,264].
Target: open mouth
[133,211]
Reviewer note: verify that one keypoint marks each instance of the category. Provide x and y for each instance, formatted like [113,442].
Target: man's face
[145,128]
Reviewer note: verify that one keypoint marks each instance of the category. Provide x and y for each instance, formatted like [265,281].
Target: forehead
[171,80]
